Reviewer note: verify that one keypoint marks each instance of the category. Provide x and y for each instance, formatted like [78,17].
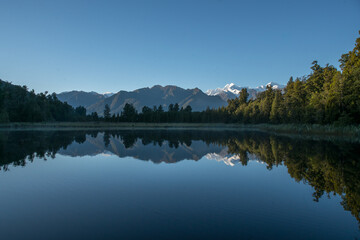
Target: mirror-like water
[177,185]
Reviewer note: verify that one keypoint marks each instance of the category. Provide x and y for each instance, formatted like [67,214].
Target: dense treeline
[157,114]
[326,96]
[17,104]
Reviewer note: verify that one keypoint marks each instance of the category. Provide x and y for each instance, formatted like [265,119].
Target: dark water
[176,185]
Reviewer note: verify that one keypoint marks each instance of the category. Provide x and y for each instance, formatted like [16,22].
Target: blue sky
[125,45]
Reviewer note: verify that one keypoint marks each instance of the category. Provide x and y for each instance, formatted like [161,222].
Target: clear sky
[124,45]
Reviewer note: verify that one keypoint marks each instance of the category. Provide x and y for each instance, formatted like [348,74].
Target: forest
[325,96]
[17,104]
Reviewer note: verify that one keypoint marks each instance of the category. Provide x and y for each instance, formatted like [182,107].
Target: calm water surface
[176,185]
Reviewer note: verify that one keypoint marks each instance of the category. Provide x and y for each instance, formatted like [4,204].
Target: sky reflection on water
[102,185]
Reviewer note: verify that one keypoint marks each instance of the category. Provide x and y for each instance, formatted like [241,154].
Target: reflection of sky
[113,187]
[82,197]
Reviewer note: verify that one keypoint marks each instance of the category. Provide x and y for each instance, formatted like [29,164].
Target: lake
[177,184]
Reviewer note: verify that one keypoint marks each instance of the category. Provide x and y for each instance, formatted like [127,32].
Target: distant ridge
[154,96]
[159,95]
[80,98]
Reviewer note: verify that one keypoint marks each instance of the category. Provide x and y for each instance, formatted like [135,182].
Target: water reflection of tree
[19,147]
[329,167]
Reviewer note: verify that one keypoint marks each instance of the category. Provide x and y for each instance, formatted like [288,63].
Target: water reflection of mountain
[166,151]
[329,167]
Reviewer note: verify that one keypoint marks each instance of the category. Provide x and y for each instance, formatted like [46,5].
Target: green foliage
[4,117]
[107,114]
[276,113]
[326,96]
[129,113]
[94,116]
[17,104]
[188,109]
[244,95]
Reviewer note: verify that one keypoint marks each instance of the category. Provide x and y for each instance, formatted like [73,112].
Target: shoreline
[287,129]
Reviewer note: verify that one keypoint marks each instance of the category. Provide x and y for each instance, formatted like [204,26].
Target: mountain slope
[80,98]
[158,95]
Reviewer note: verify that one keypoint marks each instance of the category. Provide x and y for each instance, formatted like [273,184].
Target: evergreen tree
[160,109]
[94,116]
[244,95]
[176,107]
[276,108]
[107,112]
[350,64]
[188,109]
[129,113]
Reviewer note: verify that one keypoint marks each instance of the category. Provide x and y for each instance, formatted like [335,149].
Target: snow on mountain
[232,88]
[108,94]
[230,91]
[273,85]
[230,159]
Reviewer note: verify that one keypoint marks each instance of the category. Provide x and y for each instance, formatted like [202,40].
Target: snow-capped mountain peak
[108,94]
[231,90]
[273,85]
[230,85]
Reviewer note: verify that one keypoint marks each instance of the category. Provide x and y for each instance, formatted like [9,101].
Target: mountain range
[159,95]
